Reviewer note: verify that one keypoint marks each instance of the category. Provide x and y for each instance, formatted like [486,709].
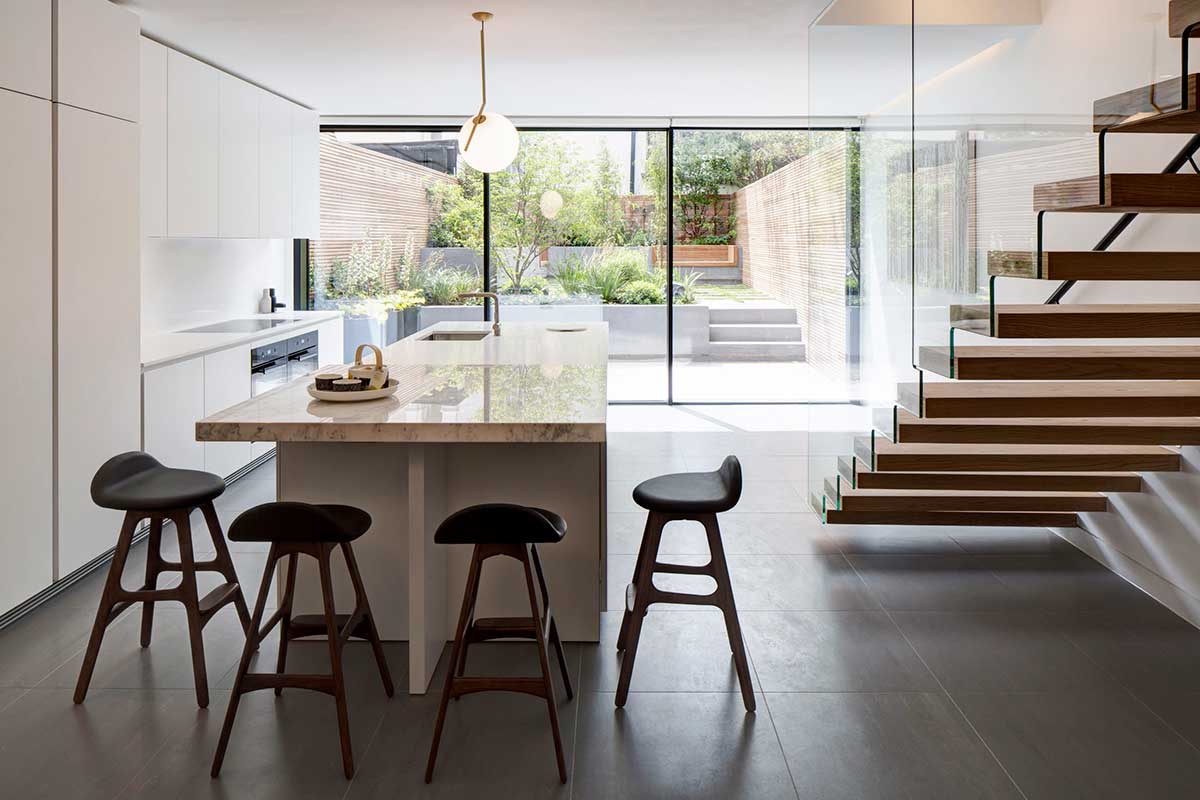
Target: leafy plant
[403,299]
[573,276]
[441,286]
[532,284]
[642,292]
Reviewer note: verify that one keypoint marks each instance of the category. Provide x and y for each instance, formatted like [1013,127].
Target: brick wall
[791,226]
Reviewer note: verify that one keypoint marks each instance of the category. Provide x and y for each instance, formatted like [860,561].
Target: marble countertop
[529,384]
[168,346]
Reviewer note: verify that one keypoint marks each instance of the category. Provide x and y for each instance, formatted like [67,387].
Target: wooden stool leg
[191,605]
[554,640]
[643,588]
[153,568]
[335,660]
[623,636]
[360,594]
[285,617]
[460,634]
[725,601]
[544,663]
[225,562]
[108,598]
[251,645]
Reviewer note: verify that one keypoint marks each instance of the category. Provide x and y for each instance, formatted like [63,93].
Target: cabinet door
[25,47]
[239,158]
[97,57]
[98,283]
[193,146]
[153,147]
[26,333]
[275,167]
[226,383]
[306,174]
[173,398]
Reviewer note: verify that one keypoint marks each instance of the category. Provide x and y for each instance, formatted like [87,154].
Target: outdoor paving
[888,662]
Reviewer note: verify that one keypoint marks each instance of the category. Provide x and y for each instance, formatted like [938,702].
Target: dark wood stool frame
[116,598]
[540,627]
[642,593]
[337,628]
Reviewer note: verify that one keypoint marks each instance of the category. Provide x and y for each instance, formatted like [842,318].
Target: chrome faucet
[495,299]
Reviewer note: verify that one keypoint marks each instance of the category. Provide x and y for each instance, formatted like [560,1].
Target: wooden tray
[354,397]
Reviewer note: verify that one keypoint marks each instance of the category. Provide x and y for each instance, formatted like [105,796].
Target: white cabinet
[193,146]
[306,174]
[173,398]
[226,383]
[97,57]
[25,47]
[153,113]
[239,158]
[98,286]
[26,335]
[275,167]
[329,343]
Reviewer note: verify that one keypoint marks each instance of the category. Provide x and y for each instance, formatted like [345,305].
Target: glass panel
[575,224]
[401,234]
[760,224]
[859,71]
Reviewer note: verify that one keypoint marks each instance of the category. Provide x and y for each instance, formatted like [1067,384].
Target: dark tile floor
[888,662]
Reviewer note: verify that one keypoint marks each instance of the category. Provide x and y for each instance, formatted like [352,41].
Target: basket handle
[358,362]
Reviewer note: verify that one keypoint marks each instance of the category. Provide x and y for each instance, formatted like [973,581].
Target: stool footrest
[219,596]
[305,625]
[489,628]
[684,569]
[253,681]
[471,684]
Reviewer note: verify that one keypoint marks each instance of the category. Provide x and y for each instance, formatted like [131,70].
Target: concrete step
[752,315]
[766,332]
[756,351]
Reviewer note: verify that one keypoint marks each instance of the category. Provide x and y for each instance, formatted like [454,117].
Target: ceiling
[606,58]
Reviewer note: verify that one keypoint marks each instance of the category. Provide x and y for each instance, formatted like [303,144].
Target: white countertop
[163,348]
[529,384]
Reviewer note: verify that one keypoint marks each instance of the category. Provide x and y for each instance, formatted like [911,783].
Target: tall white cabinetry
[193,146]
[238,159]
[25,47]
[275,167]
[153,148]
[26,333]
[98,279]
[306,174]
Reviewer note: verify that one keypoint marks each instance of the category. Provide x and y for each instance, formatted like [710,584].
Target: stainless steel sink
[456,336]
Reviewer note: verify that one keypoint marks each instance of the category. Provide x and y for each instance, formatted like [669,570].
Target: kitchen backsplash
[187,281]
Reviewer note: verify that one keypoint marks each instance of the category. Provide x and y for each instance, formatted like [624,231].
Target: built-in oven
[302,355]
[268,367]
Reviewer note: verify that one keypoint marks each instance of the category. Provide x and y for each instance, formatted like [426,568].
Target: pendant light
[488,142]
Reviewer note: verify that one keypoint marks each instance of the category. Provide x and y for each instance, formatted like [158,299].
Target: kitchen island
[517,418]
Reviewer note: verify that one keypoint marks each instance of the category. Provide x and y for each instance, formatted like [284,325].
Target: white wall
[188,281]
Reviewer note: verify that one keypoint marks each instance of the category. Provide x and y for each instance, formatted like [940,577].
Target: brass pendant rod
[478,118]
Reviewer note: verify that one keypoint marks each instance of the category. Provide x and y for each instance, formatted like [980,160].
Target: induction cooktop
[243,325]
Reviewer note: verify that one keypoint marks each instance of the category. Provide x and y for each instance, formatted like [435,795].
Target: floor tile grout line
[771,718]
[361,760]
[196,721]
[950,698]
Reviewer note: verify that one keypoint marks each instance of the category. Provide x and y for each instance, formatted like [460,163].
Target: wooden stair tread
[1050,399]
[943,500]
[1154,108]
[1060,430]
[956,457]
[1061,389]
[1079,321]
[1149,193]
[1096,265]
[1000,481]
[1018,519]
[1095,362]
[1182,14]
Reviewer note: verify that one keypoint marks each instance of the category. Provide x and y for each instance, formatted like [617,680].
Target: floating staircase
[1032,434]
[747,332]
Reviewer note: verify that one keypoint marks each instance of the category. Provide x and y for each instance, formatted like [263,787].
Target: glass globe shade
[494,145]
[550,204]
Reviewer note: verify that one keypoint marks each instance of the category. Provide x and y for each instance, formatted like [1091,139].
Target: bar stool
[139,485]
[501,529]
[698,496]
[295,529]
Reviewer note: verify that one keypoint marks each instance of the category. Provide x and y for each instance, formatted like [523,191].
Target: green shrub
[441,286]
[607,278]
[642,292]
[573,276]
[530,284]
[630,262]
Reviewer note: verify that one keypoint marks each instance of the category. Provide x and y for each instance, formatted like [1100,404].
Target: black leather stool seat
[299,522]
[136,481]
[501,523]
[693,492]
